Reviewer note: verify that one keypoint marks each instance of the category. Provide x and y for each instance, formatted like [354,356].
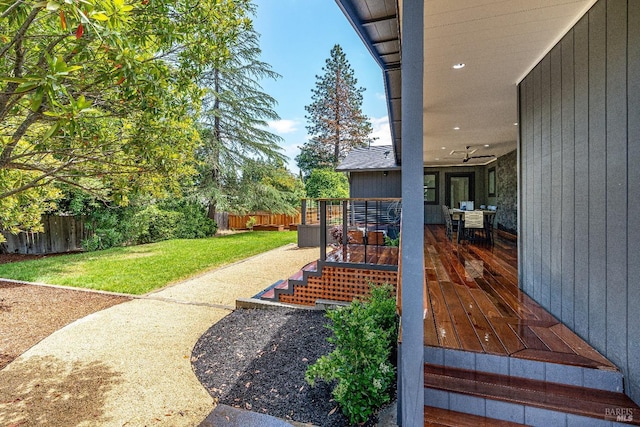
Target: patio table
[458,215]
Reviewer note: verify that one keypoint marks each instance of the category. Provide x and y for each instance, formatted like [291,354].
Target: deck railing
[356,224]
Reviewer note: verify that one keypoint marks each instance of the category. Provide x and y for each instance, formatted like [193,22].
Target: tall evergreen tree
[234,121]
[335,115]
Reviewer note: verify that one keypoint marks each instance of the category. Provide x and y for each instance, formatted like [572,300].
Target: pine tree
[335,116]
[234,121]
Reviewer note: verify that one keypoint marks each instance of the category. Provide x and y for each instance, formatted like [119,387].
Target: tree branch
[22,30]
[11,8]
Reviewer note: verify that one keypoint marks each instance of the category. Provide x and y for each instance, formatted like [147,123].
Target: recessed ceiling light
[444,148]
[458,66]
[456,128]
[437,158]
[486,145]
[515,124]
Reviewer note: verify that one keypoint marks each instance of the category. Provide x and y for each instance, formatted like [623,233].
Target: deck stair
[273,292]
[532,402]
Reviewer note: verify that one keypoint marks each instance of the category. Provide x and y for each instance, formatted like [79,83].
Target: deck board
[472,301]
[475,304]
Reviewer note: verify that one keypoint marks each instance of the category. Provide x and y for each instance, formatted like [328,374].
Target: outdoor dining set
[471,225]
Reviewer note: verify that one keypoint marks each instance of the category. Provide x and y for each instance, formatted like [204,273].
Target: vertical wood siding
[580,158]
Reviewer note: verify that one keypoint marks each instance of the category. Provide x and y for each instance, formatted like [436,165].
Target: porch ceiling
[499,41]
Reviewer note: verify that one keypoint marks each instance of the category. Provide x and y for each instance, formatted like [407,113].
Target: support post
[304,212]
[412,362]
[345,223]
[323,230]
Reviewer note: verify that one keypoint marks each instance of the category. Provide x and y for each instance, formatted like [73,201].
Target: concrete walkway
[129,365]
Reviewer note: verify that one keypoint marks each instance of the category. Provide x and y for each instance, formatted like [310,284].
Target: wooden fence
[262,218]
[61,234]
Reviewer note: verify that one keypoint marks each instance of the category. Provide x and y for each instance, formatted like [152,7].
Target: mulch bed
[256,360]
[30,313]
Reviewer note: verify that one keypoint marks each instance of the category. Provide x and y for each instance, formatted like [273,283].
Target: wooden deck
[473,303]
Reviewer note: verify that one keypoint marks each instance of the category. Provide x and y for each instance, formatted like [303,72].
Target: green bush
[109,227]
[180,219]
[195,224]
[154,225]
[364,335]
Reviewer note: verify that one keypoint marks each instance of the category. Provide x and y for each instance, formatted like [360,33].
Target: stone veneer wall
[507,188]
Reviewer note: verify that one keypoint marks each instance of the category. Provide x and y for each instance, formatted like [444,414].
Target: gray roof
[376,158]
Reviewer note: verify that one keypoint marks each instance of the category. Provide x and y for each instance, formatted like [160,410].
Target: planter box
[268,227]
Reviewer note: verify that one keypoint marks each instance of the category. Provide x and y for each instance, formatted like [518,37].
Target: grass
[141,269]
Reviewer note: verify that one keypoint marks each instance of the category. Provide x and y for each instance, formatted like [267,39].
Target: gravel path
[130,364]
[256,359]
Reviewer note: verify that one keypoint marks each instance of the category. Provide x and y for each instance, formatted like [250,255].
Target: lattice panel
[338,284]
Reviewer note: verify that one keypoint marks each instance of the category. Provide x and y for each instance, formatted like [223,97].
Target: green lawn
[140,269]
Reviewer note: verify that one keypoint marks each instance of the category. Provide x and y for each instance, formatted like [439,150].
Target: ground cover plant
[141,269]
[360,366]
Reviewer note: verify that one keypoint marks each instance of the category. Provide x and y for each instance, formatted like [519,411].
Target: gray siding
[375,184]
[579,155]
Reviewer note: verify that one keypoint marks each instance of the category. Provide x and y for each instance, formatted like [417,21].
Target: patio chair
[474,225]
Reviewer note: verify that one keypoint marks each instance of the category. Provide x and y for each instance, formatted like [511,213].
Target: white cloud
[381,130]
[381,96]
[284,126]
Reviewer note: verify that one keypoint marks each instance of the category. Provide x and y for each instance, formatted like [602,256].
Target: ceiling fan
[468,155]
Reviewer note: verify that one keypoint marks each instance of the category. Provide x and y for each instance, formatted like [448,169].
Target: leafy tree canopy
[263,186]
[327,184]
[103,89]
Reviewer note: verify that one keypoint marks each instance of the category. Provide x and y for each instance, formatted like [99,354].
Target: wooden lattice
[338,284]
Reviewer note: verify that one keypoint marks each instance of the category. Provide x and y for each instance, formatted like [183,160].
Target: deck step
[532,402]
[270,293]
[438,417]
[562,368]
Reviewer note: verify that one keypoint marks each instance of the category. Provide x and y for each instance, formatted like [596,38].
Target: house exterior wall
[375,184]
[579,160]
[433,213]
[506,191]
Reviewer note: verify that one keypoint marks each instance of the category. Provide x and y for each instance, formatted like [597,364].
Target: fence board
[262,218]
[61,234]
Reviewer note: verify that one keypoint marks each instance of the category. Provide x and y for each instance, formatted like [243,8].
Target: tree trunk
[215,171]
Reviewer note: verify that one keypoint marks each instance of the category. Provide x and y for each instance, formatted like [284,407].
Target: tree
[314,155]
[102,89]
[327,184]
[234,121]
[335,115]
[263,186]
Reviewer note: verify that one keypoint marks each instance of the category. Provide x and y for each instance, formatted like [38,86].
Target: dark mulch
[256,360]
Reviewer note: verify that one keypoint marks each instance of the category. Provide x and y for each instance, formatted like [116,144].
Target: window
[431,188]
[492,182]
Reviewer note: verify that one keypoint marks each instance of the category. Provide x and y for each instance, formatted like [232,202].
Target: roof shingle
[376,157]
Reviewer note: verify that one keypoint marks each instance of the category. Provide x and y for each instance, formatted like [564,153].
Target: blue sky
[296,37]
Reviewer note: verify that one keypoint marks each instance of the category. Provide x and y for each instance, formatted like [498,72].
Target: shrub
[154,225]
[391,242]
[251,222]
[194,224]
[109,227]
[364,334]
